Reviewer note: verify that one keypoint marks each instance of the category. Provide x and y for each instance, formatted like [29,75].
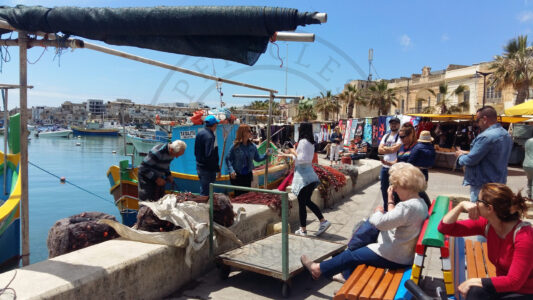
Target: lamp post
[484,74]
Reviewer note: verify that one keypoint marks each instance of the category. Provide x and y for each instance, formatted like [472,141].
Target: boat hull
[55,134]
[10,213]
[94,132]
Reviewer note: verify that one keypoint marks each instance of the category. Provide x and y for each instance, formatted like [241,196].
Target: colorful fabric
[382,123]
[367,132]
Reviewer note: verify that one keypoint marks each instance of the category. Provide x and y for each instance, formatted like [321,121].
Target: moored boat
[95,128]
[63,133]
[10,193]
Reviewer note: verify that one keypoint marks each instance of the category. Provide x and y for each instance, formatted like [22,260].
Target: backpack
[388,135]
[518,227]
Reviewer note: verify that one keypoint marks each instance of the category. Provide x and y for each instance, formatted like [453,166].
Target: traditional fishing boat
[123,178]
[10,191]
[144,141]
[94,128]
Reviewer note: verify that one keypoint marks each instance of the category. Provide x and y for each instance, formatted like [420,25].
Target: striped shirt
[156,163]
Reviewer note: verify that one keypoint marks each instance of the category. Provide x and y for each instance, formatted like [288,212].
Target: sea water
[83,161]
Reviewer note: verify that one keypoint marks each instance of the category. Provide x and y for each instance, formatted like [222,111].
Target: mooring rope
[7,288]
[71,183]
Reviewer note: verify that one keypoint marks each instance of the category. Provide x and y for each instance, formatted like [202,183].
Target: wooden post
[23,170]
[269,122]
[6,115]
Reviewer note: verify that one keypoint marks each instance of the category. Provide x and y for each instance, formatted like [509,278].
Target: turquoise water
[84,165]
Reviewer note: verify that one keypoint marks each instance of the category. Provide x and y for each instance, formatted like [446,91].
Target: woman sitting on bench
[399,229]
[496,215]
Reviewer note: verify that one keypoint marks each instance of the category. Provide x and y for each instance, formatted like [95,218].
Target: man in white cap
[154,171]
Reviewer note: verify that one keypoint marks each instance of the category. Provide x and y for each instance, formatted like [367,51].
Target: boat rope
[7,288]
[71,183]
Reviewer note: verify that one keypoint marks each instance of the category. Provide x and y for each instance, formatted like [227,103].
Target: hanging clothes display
[381,127]
[347,132]
[375,132]
[387,125]
[367,132]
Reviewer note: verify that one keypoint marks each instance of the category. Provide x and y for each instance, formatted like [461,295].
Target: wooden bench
[470,260]
[367,282]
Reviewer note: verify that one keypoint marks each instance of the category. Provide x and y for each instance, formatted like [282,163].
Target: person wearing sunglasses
[489,153]
[497,215]
[240,158]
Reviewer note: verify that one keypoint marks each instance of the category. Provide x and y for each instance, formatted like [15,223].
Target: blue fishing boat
[10,192]
[123,178]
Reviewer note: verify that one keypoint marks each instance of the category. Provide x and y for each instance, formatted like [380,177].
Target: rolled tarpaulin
[237,33]
[433,237]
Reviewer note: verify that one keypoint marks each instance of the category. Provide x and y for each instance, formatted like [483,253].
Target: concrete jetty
[122,269]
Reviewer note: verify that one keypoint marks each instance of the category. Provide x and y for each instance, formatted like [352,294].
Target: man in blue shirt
[489,153]
[206,152]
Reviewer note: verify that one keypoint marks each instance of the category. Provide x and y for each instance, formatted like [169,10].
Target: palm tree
[326,104]
[445,99]
[352,96]
[515,67]
[305,111]
[381,97]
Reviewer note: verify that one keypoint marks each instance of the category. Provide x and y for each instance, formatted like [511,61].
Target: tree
[381,97]
[352,96]
[305,111]
[326,103]
[514,67]
[445,99]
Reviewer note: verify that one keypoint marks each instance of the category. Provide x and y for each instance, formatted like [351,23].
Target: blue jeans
[348,260]
[384,176]
[474,192]
[206,177]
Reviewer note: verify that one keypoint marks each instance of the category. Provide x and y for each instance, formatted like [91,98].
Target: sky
[404,35]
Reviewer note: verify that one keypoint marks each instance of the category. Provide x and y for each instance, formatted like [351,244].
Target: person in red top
[497,216]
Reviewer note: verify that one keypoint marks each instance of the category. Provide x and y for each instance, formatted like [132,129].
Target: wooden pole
[23,170]
[4,91]
[269,122]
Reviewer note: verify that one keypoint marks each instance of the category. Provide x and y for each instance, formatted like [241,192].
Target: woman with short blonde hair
[399,229]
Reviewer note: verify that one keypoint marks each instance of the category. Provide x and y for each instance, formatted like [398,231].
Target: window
[419,105]
[439,97]
[403,106]
[466,96]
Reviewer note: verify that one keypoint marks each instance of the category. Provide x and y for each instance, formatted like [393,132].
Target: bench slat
[353,293]
[458,263]
[372,284]
[470,260]
[480,265]
[491,269]
[383,285]
[395,283]
[356,274]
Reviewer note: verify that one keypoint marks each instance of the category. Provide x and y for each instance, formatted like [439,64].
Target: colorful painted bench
[367,282]
[470,260]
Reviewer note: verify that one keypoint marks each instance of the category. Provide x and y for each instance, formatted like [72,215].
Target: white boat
[144,141]
[64,133]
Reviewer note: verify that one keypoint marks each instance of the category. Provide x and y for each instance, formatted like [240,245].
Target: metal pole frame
[284,221]
[6,116]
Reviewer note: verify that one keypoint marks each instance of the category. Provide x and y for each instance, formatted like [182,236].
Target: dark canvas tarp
[237,33]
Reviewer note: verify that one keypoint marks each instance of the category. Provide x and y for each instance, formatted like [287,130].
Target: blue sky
[405,36]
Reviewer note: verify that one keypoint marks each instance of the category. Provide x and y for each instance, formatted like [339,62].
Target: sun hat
[210,120]
[425,137]
[394,119]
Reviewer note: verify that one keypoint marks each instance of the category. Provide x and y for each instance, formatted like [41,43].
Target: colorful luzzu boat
[10,201]
[123,178]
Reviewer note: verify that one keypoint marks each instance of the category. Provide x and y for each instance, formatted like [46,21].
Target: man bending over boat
[154,171]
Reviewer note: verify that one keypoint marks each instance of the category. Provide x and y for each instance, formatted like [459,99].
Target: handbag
[366,234]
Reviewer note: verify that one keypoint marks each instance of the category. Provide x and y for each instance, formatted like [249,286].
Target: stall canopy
[525,108]
[236,33]
[504,119]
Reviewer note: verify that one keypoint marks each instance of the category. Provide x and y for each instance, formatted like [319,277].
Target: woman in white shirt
[305,179]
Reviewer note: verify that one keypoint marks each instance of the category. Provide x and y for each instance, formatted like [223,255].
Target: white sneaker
[323,227]
[300,232]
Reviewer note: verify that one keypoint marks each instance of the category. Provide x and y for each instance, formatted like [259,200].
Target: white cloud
[444,37]
[405,41]
[525,16]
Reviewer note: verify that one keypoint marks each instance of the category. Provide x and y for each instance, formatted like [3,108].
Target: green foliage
[514,67]
[382,97]
[327,104]
[445,99]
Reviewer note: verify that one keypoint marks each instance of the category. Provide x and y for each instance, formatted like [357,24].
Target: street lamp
[484,74]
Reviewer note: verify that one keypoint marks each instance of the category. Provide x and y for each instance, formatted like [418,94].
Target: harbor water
[83,161]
